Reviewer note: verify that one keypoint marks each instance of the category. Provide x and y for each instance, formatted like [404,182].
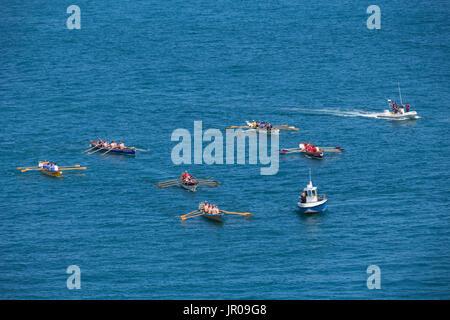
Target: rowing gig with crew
[112,147]
[188,182]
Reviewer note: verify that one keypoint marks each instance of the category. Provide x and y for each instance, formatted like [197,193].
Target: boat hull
[412,115]
[313,155]
[214,217]
[314,207]
[130,152]
[191,187]
[52,173]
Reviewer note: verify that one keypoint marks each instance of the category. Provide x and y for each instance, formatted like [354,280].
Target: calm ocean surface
[137,70]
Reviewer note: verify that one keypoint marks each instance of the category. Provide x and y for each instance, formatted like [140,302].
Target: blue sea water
[137,70]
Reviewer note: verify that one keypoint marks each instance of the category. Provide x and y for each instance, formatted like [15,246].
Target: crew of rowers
[396,108]
[261,125]
[210,208]
[187,178]
[49,166]
[112,145]
[307,146]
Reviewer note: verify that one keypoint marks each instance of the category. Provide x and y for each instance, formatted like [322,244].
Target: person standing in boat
[303,197]
[394,107]
[407,106]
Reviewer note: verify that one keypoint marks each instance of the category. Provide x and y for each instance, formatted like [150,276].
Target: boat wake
[342,113]
[336,112]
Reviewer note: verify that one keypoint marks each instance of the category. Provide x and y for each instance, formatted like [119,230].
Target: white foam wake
[336,112]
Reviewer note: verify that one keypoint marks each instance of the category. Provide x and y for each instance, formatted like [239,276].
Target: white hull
[398,116]
[190,187]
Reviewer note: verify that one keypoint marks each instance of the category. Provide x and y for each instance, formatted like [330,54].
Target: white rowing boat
[190,186]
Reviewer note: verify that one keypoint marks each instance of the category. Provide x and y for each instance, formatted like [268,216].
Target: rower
[253,124]
[121,145]
[113,144]
[105,144]
[55,167]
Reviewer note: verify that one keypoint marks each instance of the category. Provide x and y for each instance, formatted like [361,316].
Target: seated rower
[113,145]
[253,124]
[121,145]
[105,144]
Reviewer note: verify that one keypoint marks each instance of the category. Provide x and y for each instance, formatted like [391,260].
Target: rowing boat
[191,186]
[211,216]
[126,151]
[261,130]
[309,154]
[57,173]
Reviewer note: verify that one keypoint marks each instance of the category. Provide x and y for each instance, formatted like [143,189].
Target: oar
[59,169]
[238,213]
[168,181]
[170,185]
[90,149]
[192,212]
[143,150]
[65,168]
[108,151]
[192,216]
[37,168]
[97,150]
[237,127]
[294,151]
[290,149]
[332,150]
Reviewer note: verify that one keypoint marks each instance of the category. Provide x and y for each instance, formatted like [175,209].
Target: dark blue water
[137,70]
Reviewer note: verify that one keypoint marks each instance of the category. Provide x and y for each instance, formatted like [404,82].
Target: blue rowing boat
[126,151]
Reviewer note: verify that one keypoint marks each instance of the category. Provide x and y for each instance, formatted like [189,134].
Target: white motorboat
[398,113]
[310,201]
